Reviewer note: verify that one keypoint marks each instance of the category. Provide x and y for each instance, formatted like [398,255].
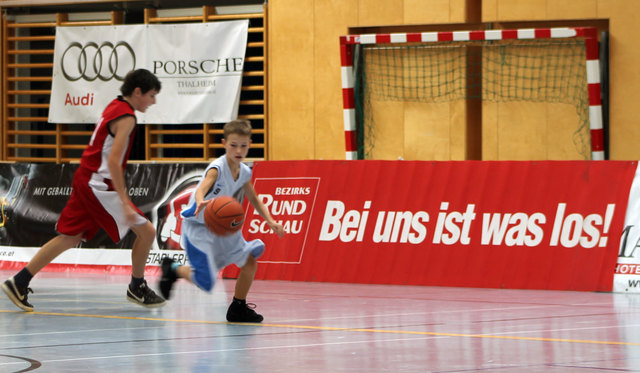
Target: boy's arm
[121,128]
[206,185]
[252,196]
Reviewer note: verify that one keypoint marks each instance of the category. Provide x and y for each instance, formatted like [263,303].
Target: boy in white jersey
[99,196]
[207,252]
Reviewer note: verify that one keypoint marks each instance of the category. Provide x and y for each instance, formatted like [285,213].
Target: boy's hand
[201,205]
[277,228]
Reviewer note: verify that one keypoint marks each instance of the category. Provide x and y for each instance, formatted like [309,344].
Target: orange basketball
[224,215]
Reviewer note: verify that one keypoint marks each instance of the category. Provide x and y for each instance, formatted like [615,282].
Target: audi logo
[93,61]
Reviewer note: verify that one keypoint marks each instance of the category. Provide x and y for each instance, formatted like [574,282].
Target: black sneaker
[18,295]
[168,277]
[241,311]
[144,296]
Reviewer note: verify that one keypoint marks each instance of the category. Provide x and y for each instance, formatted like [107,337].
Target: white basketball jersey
[225,185]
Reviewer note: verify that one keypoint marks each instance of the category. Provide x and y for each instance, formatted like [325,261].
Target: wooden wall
[623,16]
[306,104]
[304,80]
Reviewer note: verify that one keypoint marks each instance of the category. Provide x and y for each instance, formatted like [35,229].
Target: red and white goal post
[588,34]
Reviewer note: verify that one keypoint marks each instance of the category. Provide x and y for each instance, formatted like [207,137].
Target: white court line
[92,331]
[292,346]
[564,329]
[361,316]
[227,350]
[382,327]
[76,331]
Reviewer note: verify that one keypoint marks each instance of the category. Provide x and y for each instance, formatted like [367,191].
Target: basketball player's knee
[146,233]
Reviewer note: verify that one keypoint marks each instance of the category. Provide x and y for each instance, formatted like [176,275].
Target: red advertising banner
[502,224]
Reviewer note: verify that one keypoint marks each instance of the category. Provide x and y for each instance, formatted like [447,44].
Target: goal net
[548,66]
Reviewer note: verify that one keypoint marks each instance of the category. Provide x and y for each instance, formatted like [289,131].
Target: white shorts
[209,253]
[94,204]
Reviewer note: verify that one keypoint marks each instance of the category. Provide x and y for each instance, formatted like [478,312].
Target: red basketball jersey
[95,155]
[93,204]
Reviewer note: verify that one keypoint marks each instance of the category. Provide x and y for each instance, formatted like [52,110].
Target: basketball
[224,215]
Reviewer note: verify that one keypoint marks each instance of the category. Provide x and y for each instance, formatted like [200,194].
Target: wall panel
[529,10]
[432,11]
[386,139]
[379,12]
[293,63]
[334,15]
[624,133]
[574,9]
[522,131]
[565,137]
[624,57]
[305,111]
[27,62]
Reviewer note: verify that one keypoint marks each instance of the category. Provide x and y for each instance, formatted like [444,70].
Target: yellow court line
[330,328]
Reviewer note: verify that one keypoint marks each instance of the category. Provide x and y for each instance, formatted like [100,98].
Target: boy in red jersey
[99,196]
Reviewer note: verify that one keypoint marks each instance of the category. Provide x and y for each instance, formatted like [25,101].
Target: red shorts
[90,209]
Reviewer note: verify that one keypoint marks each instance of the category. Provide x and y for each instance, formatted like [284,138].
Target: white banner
[627,275]
[200,66]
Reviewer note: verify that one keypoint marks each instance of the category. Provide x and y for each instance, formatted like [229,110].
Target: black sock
[240,301]
[136,282]
[23,277]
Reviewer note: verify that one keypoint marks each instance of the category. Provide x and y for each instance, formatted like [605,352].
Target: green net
[540,70]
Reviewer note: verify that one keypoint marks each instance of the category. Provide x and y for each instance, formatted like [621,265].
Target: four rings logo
[92,61]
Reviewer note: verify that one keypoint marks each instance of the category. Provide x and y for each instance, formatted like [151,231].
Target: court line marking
[261,348]
[331,328]
[164,353]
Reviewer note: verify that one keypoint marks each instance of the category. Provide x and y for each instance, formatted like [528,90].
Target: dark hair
[239,127]
[140,78]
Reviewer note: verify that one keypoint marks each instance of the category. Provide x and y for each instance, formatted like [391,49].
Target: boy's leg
[245,278]
[51,250]
[17,287]
[240,310]
[145,234]
[138,292]
[202,264]
[171,272]
[202,270]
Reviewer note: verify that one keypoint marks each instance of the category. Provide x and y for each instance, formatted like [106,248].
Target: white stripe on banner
[200,66]
[627,274]
[89,256]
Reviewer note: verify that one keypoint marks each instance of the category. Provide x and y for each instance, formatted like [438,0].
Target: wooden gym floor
[82,323]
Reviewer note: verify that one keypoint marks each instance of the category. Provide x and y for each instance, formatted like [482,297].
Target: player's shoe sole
[20,300]
[145,297]
[243,313]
